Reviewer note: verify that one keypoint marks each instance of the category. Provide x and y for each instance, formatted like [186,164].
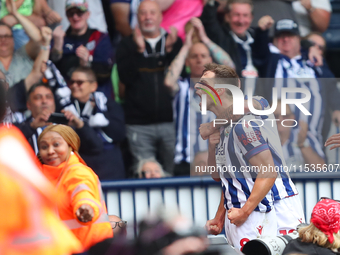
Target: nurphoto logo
[238,102]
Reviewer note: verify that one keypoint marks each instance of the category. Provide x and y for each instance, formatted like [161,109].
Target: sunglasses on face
[70,14]
[78,82]
[323,198]
[120,224]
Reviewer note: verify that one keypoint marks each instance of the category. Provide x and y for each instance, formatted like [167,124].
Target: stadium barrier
[197,198]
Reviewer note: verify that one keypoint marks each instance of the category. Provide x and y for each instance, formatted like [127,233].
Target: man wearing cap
[83,46]
[289,60]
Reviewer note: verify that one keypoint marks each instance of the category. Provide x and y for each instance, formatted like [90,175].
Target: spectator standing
[17,64]
[125,13]
[179,13]
[96,18]
[247,48]
[142,60]
[187,114]
[83,46]
[297,150]
[176,13]
[277,9]
[288,61]
[10,116]
[102,121]
[312,15]
[104,117]
[25,8]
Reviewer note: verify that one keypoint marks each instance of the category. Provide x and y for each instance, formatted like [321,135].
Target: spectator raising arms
[248,48]
[25,8]
[312,15]
[142,60]
[289,65]
[16,65]
[83,46]
[125,12]
[195,56]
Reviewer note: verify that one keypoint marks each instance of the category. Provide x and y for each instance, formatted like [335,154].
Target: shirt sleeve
[250,138]
[322,4]
[81,189]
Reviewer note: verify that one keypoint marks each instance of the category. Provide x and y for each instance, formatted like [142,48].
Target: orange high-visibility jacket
[76,185]
[28,223]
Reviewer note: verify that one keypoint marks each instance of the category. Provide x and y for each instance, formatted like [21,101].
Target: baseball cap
[286,25]
[80,4]
[326,217]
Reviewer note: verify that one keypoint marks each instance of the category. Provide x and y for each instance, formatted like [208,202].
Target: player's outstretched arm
[215,226]
[263,183]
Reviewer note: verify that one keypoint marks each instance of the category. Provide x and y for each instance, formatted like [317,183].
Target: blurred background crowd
[121,74]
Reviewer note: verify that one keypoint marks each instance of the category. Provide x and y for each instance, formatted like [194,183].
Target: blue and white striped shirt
[188,117]
[240,143]
[297,73]
[292,153]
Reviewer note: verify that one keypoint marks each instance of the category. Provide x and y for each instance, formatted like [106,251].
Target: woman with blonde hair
[322,235]
[80,202]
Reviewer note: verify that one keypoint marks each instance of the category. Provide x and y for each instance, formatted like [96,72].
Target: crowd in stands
[129,94]
[120,75]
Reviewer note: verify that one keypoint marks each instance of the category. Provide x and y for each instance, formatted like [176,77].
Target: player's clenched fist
[237,216]
[207,129]
[214,226]
[214,139]
[265,22]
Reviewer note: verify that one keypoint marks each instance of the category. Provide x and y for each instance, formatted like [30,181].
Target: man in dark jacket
[248,48]
[142,60]
[289,64]
[83,46]
[40,101]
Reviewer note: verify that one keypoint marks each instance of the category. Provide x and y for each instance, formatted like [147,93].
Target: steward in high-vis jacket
[28,222]
[81,205]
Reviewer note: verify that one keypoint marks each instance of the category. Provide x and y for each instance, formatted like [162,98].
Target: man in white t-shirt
[142,60]
[312,15]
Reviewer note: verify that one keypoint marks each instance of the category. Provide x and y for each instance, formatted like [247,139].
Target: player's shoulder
[262,101]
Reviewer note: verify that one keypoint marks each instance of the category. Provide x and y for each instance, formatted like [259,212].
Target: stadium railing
[197,198]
